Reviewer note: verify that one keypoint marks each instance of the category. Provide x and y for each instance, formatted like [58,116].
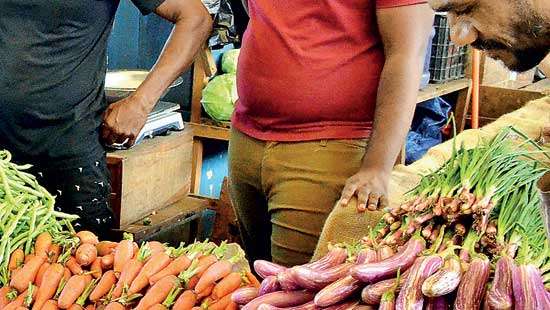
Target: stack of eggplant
[469,236]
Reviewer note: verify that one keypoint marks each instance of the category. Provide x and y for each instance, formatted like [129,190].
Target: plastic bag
[219,97]
[224,31]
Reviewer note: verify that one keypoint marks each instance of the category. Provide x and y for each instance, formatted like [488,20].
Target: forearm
[185,41]
[397,93]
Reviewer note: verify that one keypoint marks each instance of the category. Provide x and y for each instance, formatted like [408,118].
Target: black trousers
[82,190]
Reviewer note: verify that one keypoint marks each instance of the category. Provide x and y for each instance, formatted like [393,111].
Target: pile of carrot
[77,271]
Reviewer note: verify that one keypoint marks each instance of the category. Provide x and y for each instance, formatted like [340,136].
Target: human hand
[123,120]
[370,186]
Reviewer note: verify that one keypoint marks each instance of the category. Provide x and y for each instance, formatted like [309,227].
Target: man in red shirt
[318,81]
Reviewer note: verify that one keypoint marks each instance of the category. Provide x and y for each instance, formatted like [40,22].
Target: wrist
[143,103]
[375,168]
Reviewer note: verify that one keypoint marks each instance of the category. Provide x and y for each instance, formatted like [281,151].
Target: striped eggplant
[410,296]
[307,306]
[244,295]
[372,293]
[385,252]
[280,299]
[315,279]
[269,285]
[364,307]
[437,303]
[349,305]
[366,255]
[471,288]
[387,302]
[337,292]
[265,269]
[529,292]
[286,280]
[445,280]
[501,294]
[335,256]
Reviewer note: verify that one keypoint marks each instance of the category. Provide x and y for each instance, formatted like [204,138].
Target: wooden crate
[150,176]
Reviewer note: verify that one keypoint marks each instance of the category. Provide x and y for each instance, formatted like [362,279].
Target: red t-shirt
[309,69]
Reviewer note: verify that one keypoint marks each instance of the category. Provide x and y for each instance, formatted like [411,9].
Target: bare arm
[192,25]
[404,31]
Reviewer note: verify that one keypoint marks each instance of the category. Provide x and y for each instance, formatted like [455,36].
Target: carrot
[42,244]
[156,247]
[90,307]
[105,247]
[74,266]
[123,253]
[7,294]
[232,306]
[131,270]
[206,292]
[49,283]
[215,272]
[196,308]
[158,307]
[158,292]
[252,279]
[115,306]
[16,259]
[43,268]
[28,258]
[85,254]
[104,285]
[186,301]
[220,304]
[135,249]
[66,274]
[72,290]
[174,268]
[76,307]
[95,268]
[204,263]
[227,285]
[50,305]
[21,277]
[156,263]
[107,261]
[21,308]
[87,237]
[21,300]
[53,253]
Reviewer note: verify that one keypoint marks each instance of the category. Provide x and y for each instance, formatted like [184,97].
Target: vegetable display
[469,236]
[219,97]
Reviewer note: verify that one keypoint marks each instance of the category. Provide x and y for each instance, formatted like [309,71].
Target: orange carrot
[87,237]
[43,268]
[103,286]
[42,244]
[49,283]
[53,253]
[74,266]
[105,247]
[107,261]
[130,271]
[50,305]
[232,306]
[21,308]
[215,272]
[186,301]
[156,263]
[156,247]
[86,254]
[135,248]
[19,301]
[115,306]
[158,307]
[196,308]
[16,259]
[21,277]
[123,253]
[6,293]
[220,304]
[252,279]
[192,282]
[76,307]
[90,307]
[66,274]
[72,290]
[158,292]
[227,285]
[174,268]
[95,269]
[28,258]
[205,292]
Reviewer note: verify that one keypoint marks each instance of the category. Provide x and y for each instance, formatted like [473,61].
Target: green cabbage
[219,97]
[230,60]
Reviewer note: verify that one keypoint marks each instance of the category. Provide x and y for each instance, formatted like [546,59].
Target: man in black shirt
[53,112]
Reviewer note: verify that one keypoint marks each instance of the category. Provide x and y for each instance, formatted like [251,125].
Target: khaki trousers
[283,192]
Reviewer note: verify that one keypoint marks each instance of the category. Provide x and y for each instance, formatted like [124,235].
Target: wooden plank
[462,107]
[196,169]
[496,101]
[542,86]
[199,83]
[210,132]
[436,90]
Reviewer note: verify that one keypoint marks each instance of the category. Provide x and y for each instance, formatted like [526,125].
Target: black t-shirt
[52,72]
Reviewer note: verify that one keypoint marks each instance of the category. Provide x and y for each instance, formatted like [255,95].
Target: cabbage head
[230,60]
[219,97]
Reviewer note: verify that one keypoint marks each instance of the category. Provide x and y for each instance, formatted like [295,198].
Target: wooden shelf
[436,90]
[210,131]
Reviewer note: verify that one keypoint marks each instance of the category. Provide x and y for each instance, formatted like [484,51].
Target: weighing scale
[164,118]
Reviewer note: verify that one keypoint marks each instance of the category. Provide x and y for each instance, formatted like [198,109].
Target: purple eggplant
[269,285]
[471,288]
[374,272]
[387,302]
[350,305]
[287,281]
[366,255]
[372,294]
[529,292]
[410,296]
[501,294]
[307,306]
[445,280]
[280,299]
[315,280]
[337,291]
[265,269]
[364,307]
[335,256]
[244,295]
[385,252]
[437,303]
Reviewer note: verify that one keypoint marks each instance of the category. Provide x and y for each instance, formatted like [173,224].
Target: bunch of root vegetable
[26,211]
[470,236]
[77,271]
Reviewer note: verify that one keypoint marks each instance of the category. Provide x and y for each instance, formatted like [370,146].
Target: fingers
[347,194]
[373,201]
[362,199]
